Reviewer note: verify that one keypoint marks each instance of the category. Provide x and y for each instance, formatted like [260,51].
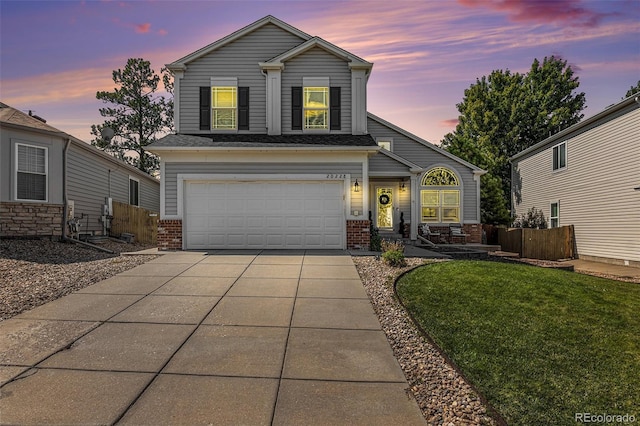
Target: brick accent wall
[358,235]
[170,234]
[31,220]
[474,230]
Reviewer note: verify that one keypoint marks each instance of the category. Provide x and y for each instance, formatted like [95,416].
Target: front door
[384,207]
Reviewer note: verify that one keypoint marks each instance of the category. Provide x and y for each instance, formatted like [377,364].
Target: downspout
[64,189]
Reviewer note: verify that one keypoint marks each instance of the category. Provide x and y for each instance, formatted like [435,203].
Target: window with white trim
[560,156]
[440,196]
[554,217]
[316,108]
[31,172]
[385,144]
[134,191]
[224,107]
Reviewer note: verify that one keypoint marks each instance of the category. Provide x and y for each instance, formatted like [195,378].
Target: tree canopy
[505,113]
[137,114]
[633,90]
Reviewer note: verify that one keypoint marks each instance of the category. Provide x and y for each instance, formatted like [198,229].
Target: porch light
[402,187]
[356,186]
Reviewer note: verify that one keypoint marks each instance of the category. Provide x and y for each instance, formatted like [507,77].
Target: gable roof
[269,19]
[425,143]
[610,112]
[12,116]
[412,166]
[354,61]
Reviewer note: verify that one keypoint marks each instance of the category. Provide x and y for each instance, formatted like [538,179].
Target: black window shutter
[243,108]
[296,108]
[334,108]
[205,108]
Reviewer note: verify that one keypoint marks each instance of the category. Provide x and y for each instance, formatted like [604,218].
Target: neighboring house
[275,149]
[41,167]
[588,176]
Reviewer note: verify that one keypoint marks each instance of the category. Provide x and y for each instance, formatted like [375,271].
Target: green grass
[539,344]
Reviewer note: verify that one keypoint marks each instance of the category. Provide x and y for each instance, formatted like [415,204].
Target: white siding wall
[595,191]
[237,59]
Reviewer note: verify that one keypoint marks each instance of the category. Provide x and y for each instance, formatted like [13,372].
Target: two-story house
[274,148]
[588,176]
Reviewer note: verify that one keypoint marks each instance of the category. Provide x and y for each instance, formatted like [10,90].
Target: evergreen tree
[136,114]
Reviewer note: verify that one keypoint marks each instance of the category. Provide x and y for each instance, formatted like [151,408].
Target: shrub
[393,253]
[534,218]
[375,240]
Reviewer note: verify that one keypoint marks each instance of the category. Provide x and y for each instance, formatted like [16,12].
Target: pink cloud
[563,12]
[143,28]
[452,122]
[163,32]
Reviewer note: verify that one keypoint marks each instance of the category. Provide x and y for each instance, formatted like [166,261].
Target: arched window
[440,196]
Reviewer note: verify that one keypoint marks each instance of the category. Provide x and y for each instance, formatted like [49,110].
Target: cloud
[142,28]
[163,32]
[559,12]
[452,122]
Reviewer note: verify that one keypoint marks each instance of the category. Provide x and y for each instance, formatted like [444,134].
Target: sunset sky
[55,55]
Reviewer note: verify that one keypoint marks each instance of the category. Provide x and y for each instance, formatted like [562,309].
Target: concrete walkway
[255,338]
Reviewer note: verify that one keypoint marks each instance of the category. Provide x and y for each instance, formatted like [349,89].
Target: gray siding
[595,191]
[317,62]
[426,157]
[239,59]
[381,163]
[54,144]
[90,179]
[173,169]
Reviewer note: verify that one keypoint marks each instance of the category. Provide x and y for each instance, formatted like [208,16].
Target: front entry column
[415,207]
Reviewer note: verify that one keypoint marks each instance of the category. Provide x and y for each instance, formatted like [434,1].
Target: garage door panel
[266,214]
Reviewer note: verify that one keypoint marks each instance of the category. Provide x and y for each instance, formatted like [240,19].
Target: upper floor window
[223,105]
[31,173]
[316,108]
[440,198]
[134,191]
[560,156]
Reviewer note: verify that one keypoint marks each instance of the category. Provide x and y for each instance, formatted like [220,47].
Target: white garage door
[264,214]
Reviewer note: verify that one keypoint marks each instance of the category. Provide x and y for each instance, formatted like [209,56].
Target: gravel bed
[443,395]
[34,272]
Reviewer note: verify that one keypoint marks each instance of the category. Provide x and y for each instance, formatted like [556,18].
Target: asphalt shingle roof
[259,140]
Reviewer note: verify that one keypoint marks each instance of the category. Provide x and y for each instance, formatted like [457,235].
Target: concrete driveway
[252,338]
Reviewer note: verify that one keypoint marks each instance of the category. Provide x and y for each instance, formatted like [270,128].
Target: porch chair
[455,230]
[426,233]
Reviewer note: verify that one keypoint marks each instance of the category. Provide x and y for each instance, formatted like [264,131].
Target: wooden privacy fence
[135,220]
[545,244]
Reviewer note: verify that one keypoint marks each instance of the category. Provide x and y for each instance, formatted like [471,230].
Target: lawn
[540,344]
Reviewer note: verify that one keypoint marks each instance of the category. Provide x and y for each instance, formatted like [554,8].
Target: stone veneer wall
[358,234]
[31,220]
[170,234]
